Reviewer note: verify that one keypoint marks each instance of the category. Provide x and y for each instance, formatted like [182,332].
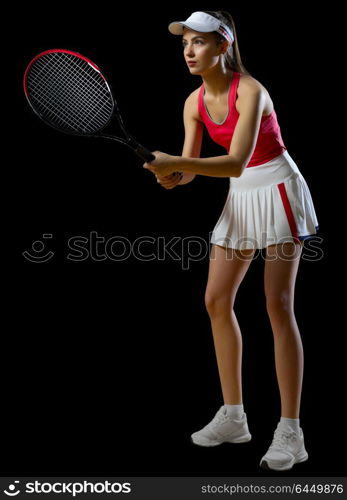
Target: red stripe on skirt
[288,210]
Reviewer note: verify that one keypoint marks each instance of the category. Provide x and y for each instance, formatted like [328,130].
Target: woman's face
[201,51]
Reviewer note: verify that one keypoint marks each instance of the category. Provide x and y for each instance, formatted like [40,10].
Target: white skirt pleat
[267,205]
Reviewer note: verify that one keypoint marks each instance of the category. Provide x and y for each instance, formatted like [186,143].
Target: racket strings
[55,60]
[67,91]
[72,78]
[40,89]
[64,99]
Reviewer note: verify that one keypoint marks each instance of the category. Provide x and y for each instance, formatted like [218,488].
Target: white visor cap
[200,21]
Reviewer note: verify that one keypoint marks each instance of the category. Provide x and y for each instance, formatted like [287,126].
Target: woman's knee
[218,304]
[279,303]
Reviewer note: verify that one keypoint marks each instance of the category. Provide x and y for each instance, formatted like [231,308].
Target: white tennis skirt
[267,205]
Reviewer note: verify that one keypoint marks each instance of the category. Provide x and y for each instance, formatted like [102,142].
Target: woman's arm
[193,129]
[251,106]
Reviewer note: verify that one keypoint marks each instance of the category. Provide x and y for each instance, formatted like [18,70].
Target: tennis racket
[70,93]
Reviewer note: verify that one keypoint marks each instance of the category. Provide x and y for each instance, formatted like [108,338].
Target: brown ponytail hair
[232,57]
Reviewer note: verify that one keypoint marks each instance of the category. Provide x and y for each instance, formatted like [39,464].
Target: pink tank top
[269,143]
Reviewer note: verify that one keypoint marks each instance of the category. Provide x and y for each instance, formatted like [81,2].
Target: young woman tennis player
[268,206]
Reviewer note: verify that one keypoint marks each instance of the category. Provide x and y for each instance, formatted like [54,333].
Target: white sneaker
[287,448]
[223,429]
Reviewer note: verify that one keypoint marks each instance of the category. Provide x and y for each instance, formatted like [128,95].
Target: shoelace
[220,418]
[281,438]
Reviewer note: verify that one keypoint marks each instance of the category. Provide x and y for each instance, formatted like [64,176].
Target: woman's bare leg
[282,262]
[227,269]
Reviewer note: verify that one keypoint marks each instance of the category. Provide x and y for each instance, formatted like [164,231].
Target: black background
[109,366]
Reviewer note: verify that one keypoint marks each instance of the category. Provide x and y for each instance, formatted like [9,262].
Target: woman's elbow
[237,164]
[240,170]
[241,165]
[237,169]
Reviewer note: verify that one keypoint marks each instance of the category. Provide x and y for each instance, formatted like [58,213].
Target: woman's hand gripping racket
[69,92]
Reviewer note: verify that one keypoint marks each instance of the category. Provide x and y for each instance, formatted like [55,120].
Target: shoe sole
[297,460]
[242,439]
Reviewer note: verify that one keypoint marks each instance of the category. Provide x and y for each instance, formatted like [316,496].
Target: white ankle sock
[234,411]
[293,423]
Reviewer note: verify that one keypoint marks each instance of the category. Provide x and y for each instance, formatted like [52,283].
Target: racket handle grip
[143,153]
